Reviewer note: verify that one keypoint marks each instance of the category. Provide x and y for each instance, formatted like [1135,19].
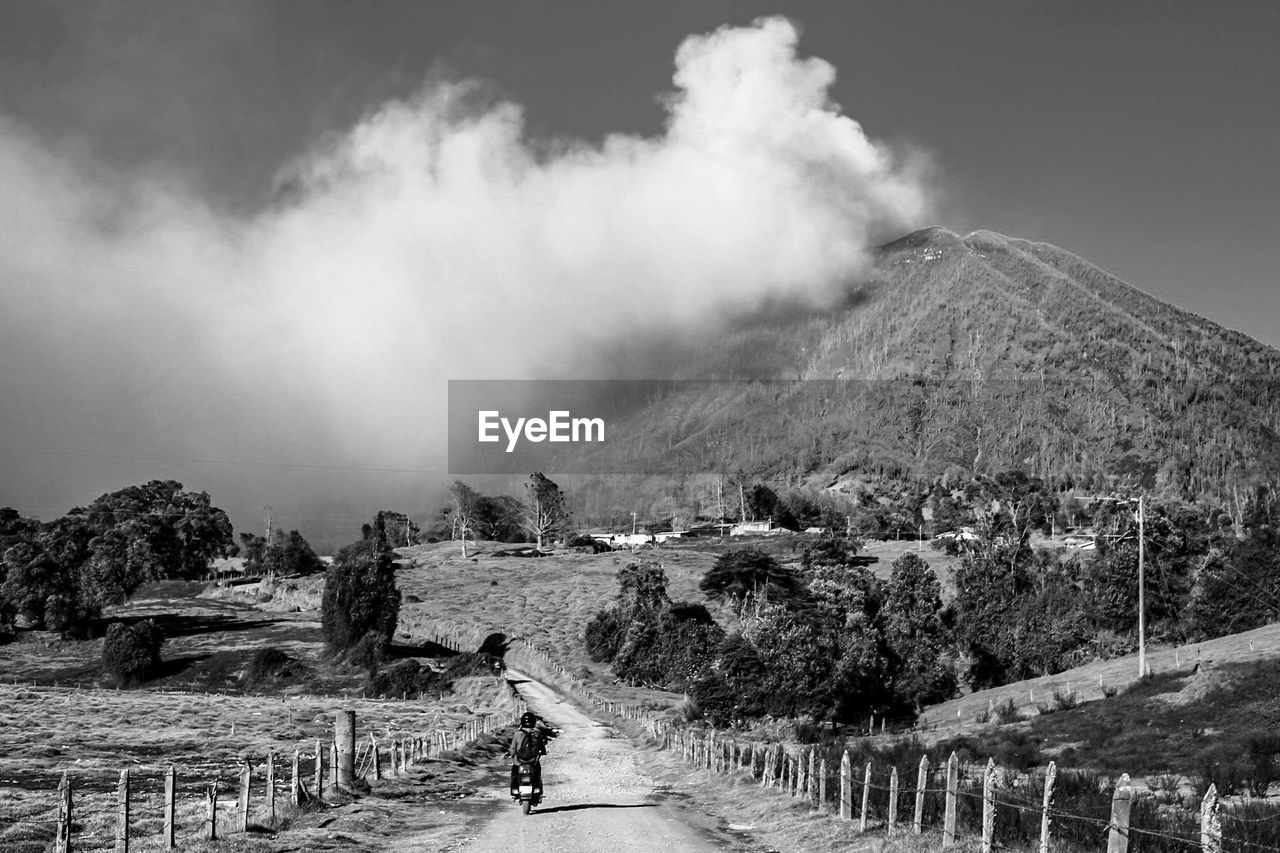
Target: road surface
[596,798]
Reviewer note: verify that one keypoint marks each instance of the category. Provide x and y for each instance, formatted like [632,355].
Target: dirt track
[597,797]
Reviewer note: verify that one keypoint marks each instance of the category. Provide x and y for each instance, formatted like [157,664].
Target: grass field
[57,715]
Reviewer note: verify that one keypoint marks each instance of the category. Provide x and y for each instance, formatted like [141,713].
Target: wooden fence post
[893,799]
[988,805]
[922,779]
[1050,776]
[377,757]
[211,808]
[271,788]
[949,811]
[122,812]
[62,831]
[1210,822]
[846,788]
[295,777]
[801,775]
[766,772]
[344,746]
[319,782]
[246,777]
[812,789]
[333,765]
[170,803]
[822,785]
[866,797]
[1121,803]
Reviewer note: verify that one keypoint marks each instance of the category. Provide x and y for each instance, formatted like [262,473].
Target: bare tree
[465,501]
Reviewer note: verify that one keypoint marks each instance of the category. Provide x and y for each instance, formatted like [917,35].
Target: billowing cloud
[432,241]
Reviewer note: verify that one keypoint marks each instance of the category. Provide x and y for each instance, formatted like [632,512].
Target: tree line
[825,638]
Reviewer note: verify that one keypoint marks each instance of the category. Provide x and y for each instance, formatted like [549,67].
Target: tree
[648,638]
[401,530]
[545,513]
[464,507]
[131,653]
[360,597]
[750,574]
[288,555]
[917,633]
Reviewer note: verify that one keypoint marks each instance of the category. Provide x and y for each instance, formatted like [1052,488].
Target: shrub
[603,635]
[1006,711]
[403,679]
[368,653]
[131,653]
[1064,701]
[469,664]
[268,665]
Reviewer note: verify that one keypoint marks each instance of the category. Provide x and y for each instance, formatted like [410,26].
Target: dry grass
[57,715]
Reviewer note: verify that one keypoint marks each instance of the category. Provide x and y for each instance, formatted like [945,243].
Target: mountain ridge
[963,356]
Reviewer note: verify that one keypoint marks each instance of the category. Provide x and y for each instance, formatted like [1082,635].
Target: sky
[247,244]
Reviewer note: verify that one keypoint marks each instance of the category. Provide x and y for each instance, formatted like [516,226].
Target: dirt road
[597,798]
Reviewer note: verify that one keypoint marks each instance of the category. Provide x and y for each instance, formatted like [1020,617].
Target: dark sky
[1140,135]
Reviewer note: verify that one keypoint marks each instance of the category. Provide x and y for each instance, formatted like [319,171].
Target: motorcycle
[526,793]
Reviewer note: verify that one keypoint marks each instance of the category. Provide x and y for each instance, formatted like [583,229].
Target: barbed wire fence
[97,810]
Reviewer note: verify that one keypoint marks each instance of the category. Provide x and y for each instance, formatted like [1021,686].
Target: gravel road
[597,800]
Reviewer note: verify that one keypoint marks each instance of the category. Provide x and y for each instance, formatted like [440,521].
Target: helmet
[528,720]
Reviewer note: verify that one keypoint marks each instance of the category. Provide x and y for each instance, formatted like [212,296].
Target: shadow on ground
[580,806]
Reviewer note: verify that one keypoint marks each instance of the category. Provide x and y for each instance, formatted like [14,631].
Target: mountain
[970,355]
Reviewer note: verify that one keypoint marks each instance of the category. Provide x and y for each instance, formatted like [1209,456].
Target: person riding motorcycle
[528,745]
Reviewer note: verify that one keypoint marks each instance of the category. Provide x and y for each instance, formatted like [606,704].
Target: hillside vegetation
[959,357]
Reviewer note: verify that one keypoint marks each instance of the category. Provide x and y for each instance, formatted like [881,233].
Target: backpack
[527,749]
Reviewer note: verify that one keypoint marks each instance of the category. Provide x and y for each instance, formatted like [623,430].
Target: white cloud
[430,242]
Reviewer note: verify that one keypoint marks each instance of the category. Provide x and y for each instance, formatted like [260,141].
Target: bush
[404,679]
[267,665]
[368,653]
[1006,711]
[603,635]
[1064,701]
[131,653]
[469,664]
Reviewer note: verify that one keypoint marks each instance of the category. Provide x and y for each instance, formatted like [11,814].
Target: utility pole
[633,524]
[266,517]
[1142,610]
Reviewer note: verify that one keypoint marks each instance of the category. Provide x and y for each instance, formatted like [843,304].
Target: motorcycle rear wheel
[525,805]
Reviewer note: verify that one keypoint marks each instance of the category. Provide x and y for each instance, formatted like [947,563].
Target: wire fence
[1004,809]
[147,807]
